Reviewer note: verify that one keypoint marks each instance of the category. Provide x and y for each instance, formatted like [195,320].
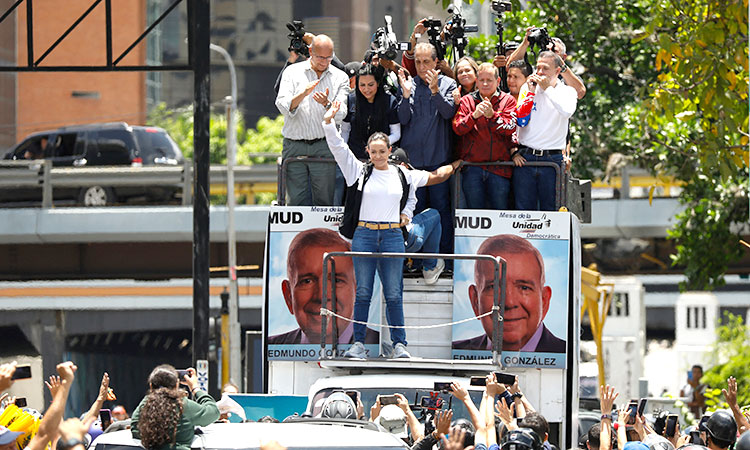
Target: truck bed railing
[498,294]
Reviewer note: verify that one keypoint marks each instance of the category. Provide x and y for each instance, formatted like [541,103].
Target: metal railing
[498,293]
[281,188]
[33,174]
[560,177]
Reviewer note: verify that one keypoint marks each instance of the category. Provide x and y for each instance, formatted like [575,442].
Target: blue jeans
[438,197]
[484,189]
[391,277]
[425,236]
[534,187]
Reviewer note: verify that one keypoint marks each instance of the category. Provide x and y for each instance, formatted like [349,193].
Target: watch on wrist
[69,443]
[564,68]
[606,416]
[327,105]
[517,395]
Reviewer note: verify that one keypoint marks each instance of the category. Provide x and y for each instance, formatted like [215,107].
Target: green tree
[732,359]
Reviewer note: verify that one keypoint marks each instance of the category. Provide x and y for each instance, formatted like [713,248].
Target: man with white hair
[306,92]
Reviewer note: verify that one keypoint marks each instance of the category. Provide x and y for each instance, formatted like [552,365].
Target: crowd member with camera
[408,56]
[425,112]
[306,93]
[542,115]
[166,418]
[539,37]
[485,120]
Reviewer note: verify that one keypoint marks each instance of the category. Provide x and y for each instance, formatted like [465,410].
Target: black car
[108,144]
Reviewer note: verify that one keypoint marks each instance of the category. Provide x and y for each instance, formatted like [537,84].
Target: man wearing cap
[8,438]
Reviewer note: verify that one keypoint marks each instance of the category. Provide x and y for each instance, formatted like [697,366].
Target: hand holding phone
[22,372]
[20,402]
[632,411]
[642,406]
[105,416]
[441,386]
[671,428]
[388,400]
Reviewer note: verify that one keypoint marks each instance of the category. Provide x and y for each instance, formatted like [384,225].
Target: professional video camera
[434,29]
[387,46]
[539,37]
[456,29]
[296,32]
[499,7]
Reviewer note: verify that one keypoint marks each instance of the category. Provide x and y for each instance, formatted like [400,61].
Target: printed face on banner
[298,239]
[535,246]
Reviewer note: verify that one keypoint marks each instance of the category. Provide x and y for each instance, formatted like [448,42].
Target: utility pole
[235,355]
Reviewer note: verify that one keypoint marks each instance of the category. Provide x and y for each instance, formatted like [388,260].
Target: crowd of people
[437,115]
[168,415]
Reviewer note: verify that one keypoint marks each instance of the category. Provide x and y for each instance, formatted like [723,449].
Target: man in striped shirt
[305,94]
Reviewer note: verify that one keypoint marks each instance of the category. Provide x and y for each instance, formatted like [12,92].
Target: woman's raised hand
[329,115]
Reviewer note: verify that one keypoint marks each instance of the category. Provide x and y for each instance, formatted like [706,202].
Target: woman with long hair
[369,109]
[166,419]
[465,74]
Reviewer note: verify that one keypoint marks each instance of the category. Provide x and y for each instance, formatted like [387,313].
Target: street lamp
[234,325]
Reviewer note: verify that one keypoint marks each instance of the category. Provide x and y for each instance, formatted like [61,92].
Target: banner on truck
[536,246]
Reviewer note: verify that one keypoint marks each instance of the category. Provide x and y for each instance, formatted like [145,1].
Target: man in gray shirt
[305,94]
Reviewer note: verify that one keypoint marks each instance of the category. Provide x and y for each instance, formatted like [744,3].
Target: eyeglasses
[323,58]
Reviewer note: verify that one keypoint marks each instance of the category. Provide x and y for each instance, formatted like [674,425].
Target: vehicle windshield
[414,396]
[156,146]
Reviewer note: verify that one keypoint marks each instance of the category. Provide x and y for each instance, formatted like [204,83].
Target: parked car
[105,144]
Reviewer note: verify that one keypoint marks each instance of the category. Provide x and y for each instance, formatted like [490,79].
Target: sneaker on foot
[357,351]
[431,276]
[399,351]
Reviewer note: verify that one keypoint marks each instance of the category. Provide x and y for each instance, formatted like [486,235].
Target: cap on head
[393,419]
[522,439]
[7,436]
[398,155]
[339,406]
[351,68]
[721,426]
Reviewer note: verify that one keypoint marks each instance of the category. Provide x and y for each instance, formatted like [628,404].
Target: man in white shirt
[305,94]
[541,133]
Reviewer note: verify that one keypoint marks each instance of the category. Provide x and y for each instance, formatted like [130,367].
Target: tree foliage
[265,138]
[667,88]
[732,359]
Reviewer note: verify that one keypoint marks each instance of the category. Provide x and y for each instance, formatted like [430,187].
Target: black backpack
[353,199]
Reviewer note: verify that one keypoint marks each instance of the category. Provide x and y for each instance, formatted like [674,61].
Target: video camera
[456,30]
[387,46]
[539,37]
[500,6]
[434,29]
[296,33]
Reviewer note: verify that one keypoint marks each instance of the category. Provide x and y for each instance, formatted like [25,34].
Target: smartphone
[22,372]
[671,426]
[388,400]
[181,373]
[431,402]
[354,395]
[105,416]
[20,402]
[632,411]
[505,378]
[478,381]
[442,386]
[690,375]
[695,438]
[642,406]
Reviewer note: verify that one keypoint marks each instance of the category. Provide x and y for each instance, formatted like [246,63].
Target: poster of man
[298,239]
[536,249]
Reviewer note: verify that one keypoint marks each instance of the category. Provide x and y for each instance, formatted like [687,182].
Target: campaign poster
[298,237]
[536,246]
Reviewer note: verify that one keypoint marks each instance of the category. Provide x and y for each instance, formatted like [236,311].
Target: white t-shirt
[548,122]
[381,195]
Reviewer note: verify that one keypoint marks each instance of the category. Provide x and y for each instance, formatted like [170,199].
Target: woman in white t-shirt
[378,230]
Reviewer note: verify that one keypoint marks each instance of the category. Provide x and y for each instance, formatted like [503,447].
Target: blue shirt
[426,123]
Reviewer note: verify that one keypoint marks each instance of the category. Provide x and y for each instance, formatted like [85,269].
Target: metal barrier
[560,178]
[36,173]
[281,188]
[498,293]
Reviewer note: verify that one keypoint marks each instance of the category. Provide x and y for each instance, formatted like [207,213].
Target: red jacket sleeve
[409,65]
[463,121]
[504,119]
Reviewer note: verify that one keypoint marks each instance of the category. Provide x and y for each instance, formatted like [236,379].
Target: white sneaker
[356,351]
[431,276]
[399,351]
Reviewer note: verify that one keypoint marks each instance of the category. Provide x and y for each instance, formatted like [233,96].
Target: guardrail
[33,174]
[498,293]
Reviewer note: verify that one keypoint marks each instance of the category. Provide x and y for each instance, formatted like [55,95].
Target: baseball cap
[393,419]
[398,155]
[7,436]
[351,68]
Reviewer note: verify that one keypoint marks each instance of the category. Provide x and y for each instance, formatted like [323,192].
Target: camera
[386,44]
[456,30]
[539,37]
[431,402]
[434,28]
[296,33]
[500,6]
